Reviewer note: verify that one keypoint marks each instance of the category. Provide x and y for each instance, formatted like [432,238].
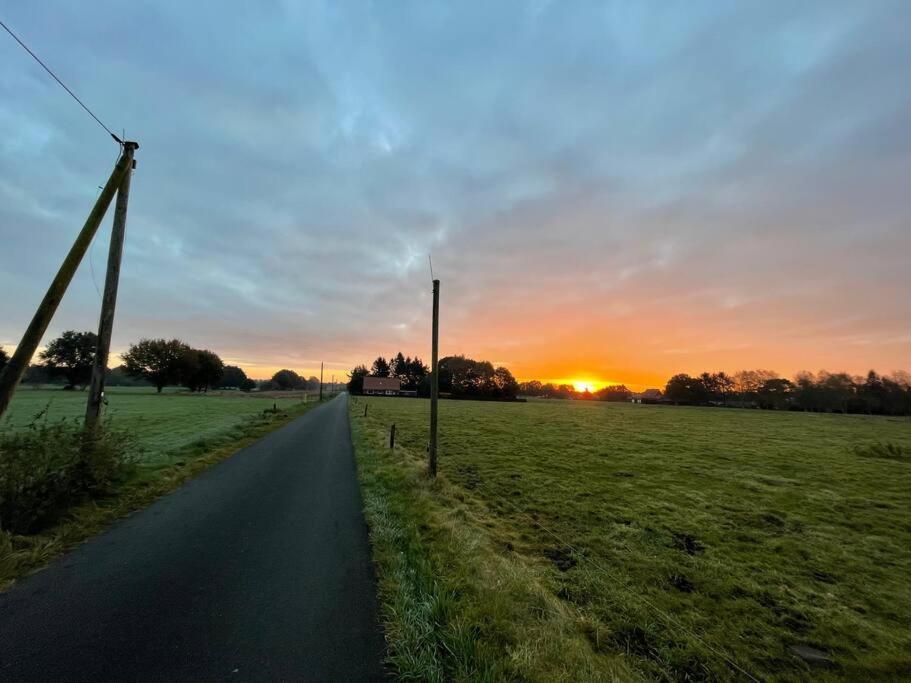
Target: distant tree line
[460,377]
[823,392]
[288,380]
[616,392]
[69,358]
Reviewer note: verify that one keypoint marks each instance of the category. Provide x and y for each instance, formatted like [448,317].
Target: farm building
[382,386]
[647,396]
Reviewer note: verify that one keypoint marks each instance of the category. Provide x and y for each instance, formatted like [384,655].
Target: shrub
[49,467]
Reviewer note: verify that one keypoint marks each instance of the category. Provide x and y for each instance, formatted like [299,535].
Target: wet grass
[572,540]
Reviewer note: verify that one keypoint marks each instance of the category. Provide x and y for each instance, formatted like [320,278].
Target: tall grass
[51,466]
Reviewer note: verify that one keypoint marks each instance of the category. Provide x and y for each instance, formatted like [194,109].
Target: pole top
[131,145]
[436,283]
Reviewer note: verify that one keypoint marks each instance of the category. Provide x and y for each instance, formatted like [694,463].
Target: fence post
[365,408]
[392,436]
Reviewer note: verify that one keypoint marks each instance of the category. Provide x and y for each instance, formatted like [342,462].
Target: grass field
[576,540]
[164,424]
[178,434]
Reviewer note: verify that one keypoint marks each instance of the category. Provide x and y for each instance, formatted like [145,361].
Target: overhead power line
[62,84]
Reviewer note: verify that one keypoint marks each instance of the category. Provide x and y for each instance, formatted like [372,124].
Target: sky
[611,191]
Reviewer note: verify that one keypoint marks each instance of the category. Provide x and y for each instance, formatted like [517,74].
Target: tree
[119,377]
[415,372]
[380,368]
[156,360]
[775,393]
[36,374]
[284,380]
[682,388]
[504,384]
[4,359]
[724,383]
[398,367]
[531,388]
[233,377]
[200,369]
[71,355]
[616,393]
[356,379]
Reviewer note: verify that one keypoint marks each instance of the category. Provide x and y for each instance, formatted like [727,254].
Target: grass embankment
[570,540]
[178,436]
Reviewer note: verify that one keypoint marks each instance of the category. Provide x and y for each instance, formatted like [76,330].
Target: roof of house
[382,384]
[649,393]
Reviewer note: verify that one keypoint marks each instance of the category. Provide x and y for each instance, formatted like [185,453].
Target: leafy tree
[119,377]
[616,393]
[36,374]
[380,368]
[156,360]
[682,388]
[285,380]
[724,385]
[356,379]
[504,384]
[200,369]
[4,359]
[398,367]
[775,393]
[531,388]
[415,372]
[71,355]
[233,377]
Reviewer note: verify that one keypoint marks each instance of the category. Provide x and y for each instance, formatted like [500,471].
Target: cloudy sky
[610,190]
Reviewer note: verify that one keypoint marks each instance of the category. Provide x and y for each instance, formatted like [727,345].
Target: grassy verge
[23,554]
[457,603]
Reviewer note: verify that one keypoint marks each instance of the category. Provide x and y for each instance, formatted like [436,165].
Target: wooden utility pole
[15,368]
[109,300]
[434,378]
[321,380]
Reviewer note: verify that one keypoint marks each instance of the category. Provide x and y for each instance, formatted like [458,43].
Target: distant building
[647,396]
[382,386]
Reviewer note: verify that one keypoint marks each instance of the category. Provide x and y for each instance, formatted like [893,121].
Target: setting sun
[582,385]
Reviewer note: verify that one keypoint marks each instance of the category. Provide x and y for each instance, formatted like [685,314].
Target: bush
[49,467]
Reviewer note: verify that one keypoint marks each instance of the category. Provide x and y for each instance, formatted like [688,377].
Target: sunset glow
[601,223]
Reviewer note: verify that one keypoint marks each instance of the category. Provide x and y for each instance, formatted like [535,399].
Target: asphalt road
[258,569]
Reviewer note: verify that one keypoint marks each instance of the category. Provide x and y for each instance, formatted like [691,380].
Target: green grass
[179,436]
[164,424]
[571,540]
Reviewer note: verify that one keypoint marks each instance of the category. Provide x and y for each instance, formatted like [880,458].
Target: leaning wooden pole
[109,300]
[17,365]
[434,379]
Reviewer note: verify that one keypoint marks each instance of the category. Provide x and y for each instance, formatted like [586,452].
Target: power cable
[62,84]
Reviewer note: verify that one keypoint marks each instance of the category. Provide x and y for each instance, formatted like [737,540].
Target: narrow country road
[258,569]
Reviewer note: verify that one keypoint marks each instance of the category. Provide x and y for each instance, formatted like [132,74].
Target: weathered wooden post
[392,436]
[434,379]
[321,381]
[15,368]
[109,300]
[365,408]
